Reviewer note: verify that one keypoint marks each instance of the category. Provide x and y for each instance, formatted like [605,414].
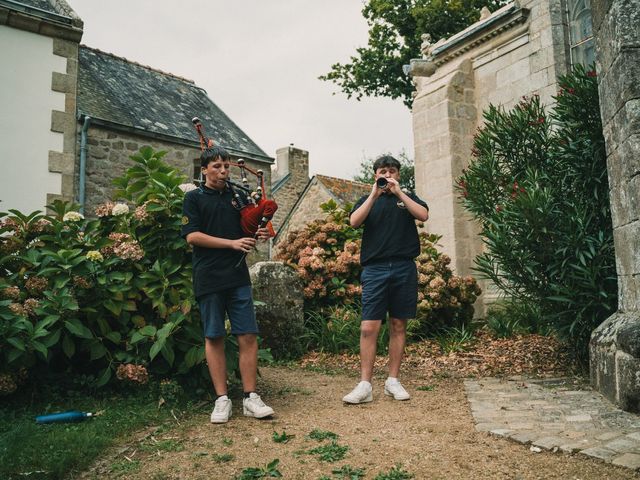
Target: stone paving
[556,415]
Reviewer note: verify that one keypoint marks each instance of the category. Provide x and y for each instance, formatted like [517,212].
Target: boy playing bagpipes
[213,225]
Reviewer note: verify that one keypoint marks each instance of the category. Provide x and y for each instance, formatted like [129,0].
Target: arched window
[580,32]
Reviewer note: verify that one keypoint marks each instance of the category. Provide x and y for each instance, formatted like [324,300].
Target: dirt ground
[432,436]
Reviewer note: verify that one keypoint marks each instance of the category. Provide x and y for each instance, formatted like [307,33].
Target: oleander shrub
[538,185]
[108,297]
[326,255]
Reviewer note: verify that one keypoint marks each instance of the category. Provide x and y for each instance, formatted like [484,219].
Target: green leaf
[104,378]
[148,330]
[68,346]
[78,329]
[156,347]
[16,342]
[97,350]
[115,308]
[168,353]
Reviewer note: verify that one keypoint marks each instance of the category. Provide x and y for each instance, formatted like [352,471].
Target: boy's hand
[244,244]
[393,186]
[263,234]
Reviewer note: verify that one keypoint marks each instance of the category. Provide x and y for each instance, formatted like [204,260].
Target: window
[580,32]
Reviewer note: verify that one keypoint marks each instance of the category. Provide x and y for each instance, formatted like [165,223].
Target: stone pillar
[288,180]
[444,119]
[615,345]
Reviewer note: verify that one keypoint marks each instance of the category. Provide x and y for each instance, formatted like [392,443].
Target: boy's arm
[361,213]
[244,244]
[192,233]
[418,211]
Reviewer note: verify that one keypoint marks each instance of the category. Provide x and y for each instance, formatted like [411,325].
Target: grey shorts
[237,303]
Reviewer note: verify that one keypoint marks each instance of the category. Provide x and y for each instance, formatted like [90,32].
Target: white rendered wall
[26,102]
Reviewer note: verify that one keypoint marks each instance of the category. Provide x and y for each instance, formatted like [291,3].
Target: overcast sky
[259,61]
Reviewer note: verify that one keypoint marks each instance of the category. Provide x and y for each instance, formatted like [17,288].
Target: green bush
[108,295]
[511,317]
[538,185]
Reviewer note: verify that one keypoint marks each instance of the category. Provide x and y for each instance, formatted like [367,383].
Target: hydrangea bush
[326,255]
[106,295]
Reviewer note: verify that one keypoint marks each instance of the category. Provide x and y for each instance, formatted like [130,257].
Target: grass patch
[270,471]
[396,473]
[55,451]
[223,457]
[320,435]
[330,452]
[426,388]
[347,472]
[281,437]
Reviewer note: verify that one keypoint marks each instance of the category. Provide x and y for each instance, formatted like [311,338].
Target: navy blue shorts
[237,303]
[389,287]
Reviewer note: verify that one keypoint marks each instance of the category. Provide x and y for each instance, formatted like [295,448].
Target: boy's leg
[248,346]
[212,315]
[217,364]
[369,330]
[397,340]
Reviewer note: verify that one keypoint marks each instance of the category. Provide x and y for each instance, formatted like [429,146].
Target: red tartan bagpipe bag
[256,210]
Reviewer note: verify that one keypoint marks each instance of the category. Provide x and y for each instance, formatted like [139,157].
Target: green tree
[395,30]
[538,186]
[407,171]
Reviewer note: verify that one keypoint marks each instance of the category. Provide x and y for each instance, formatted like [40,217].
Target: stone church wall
[517,51]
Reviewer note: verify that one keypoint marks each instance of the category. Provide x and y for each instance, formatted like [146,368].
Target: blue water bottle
[63,417]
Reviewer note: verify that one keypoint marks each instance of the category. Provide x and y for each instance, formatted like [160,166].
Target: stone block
[599,10]
[619,84]
[628,460]
[629,292]
[61,163]
[621,445]
[628,373]
[600,453]
[281,318]
[61,82]
[623,125]
[61,122]
[65,48]
[627,245]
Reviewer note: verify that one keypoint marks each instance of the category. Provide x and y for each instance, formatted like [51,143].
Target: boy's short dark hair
[212,153]
[386,161]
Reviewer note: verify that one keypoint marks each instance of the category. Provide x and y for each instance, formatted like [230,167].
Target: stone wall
[615,345]
[308,210]
[292,169]
[518,50]
[108,153]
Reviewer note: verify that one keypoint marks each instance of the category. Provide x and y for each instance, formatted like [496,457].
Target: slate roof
[345,191]
[118,91]
[57,11]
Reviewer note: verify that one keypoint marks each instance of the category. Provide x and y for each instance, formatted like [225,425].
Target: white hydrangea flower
[94,256]
[72,217]
[120,209]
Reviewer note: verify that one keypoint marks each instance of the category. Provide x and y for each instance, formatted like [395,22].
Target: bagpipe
[256,210]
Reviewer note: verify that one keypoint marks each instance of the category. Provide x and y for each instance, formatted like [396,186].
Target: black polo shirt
[390,231]
[210,211]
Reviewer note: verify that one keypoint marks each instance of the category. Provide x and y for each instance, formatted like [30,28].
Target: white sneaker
[394,389]
[221,410]
[253,406]
[361,394]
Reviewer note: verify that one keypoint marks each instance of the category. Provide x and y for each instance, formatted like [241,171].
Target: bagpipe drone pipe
[256,210]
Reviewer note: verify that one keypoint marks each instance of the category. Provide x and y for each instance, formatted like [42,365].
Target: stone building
[519,50]
[123,106]
[72,115]
[289,178]
[39,58]
[319,189]
[615,345]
